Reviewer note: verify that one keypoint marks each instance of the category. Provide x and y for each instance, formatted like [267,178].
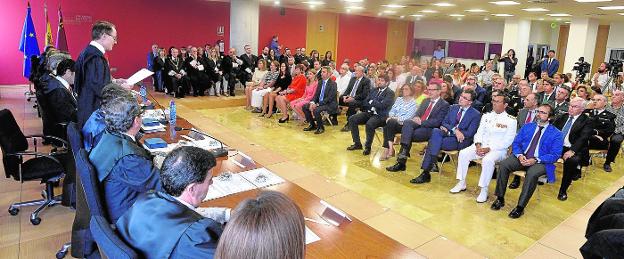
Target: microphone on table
[217,152]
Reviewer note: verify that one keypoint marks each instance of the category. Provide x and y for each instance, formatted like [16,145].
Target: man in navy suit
[550,65]
[92,70]
[429,116]
[536,148]
[353,97]
[375,109]
[324,100]
[480,93]
[457,132]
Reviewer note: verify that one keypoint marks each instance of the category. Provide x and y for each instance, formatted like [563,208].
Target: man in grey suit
[525,115]
[324,100]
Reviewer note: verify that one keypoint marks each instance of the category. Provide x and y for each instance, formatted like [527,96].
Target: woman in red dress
[295,90]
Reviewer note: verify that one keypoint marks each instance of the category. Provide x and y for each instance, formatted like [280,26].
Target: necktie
[355,87]
[427,111]
[531,151]
[458,117]
[322,91]
[546,96]
[567,126]
[528,118]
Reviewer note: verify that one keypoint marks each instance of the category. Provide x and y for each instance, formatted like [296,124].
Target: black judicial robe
[92,74]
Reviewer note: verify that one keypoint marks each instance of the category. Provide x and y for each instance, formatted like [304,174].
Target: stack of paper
[152,129]
[262,177]
[155,114]
[245,181]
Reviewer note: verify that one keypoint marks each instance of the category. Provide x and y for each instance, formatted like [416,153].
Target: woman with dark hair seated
[281,83]
[271,226]
[294,91]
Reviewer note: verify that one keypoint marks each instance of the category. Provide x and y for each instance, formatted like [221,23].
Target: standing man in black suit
[429,116]
[324,100]
[92,70]
[375,109]
[249,64]
[576,128]
[353,97]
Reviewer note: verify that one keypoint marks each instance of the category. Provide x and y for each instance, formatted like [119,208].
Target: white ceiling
[460,7]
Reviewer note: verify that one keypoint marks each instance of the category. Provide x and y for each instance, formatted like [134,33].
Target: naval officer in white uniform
[495,134]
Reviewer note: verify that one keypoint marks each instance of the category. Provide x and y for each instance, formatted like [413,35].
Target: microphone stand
[217,152]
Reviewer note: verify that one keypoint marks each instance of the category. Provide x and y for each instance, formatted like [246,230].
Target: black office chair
[45,167]
[111,246]
[81,218]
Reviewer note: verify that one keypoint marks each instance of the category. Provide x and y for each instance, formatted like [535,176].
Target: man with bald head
[576,128]
[615,141]
[230,66]
[415,75]
[603,123]
[343,78]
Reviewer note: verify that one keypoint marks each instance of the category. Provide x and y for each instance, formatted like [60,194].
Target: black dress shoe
[366,151]
[516,212]
[515,183]
[562,196]
[434,168]
[354,147]
[607,168]
[319,130]
[422,178]
[310,128]
[576,177]
[396,167]
[498,204]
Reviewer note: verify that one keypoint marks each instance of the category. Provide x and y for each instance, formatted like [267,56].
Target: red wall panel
[290,27]
[361,36]
[139,24]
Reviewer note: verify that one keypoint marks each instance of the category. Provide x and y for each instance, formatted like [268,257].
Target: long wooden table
[353,239]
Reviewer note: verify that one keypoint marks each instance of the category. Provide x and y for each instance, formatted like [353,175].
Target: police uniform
[497,132]
[603,123]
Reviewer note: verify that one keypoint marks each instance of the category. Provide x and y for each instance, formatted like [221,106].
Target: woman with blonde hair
[255,81]
[265,86]
[270,226]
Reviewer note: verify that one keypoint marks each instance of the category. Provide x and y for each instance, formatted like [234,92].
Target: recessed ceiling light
[503,15]
[535,10]
[486,19]
[505,3]
[621,13]
[276,2]
[389,11]
[476,11]
[456,15]
[402,16]
[355,7]
[559,14]
[428,11]
[353,1]
[614,7]
[314,2]
[568,22]
[417,15]
[444,4]
[592,1]
[393,5]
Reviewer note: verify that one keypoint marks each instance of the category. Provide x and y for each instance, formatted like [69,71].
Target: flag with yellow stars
[28,42]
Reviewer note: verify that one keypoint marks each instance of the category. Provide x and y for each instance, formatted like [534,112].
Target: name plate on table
[333,215]
[153,143]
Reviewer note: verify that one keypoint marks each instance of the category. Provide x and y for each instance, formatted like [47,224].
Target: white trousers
[487,163]
[257,95]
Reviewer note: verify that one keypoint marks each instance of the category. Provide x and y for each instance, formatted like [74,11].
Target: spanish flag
[61,39]
[48,38]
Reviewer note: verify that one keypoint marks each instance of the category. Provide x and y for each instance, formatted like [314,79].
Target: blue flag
[28,43]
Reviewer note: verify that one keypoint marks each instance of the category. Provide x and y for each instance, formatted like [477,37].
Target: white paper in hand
[139,76]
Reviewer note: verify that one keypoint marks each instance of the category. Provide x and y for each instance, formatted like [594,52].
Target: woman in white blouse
[257,77]
[265,86]
[404,108]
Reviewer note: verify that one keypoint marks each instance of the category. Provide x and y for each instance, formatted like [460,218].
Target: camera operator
[600,78]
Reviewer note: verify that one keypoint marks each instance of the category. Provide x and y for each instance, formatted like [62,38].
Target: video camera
[582,68]
[615,67]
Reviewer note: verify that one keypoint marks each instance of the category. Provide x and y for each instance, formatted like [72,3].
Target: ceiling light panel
[505,3]
[476,11]
[535,10]
[614,7]
[444,4]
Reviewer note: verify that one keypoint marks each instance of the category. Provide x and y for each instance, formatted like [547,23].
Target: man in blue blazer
[457,130]
[536,148]
[325,99]
[375,109]
[429,116]
[550,64]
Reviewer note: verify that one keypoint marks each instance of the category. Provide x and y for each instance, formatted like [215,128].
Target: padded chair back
[47,118]
[74,136]
[108,242]
[11,140]
[90,185]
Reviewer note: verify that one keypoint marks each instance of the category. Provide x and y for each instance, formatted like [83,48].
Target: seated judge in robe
[176,75]
[196,67]
[60,97]
[95,126]
[181,231]
[268,226]
[124,169]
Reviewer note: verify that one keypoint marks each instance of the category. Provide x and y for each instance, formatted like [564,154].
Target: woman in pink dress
[310,89]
